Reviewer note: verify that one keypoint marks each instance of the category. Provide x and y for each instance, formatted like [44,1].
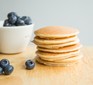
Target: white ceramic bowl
[14,39]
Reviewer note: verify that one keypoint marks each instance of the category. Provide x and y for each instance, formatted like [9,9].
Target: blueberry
[4,63]
[8,70]
[1,70]
[11,14]
[19,22]
[29,64]
[27,20]
[6,23]
[12,20]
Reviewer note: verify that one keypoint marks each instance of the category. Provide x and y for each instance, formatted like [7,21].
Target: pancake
[56,56]
[58,45]
[56,32]
[63,49]
[70,59]
[54,41]
[39,60]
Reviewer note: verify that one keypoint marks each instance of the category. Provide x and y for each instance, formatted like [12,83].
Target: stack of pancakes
[57,46]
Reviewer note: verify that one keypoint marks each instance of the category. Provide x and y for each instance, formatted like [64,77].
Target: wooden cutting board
[79,74]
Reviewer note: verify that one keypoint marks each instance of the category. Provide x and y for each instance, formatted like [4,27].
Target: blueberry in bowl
[27,20]
[20,22]
[12,17]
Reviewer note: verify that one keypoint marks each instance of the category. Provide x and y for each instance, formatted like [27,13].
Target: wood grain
[78,74]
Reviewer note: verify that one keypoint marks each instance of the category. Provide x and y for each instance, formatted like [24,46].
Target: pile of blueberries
[15,20]
[7,69]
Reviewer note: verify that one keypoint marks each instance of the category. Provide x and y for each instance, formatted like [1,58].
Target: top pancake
[56,32]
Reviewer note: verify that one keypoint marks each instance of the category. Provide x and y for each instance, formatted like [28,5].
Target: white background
[75,13]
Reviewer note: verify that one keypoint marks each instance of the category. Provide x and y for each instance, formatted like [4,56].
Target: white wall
[76,13]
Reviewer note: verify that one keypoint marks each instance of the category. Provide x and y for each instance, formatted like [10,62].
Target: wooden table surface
[79,74]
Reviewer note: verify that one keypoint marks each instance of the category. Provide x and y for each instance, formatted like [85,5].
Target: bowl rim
[15,27]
